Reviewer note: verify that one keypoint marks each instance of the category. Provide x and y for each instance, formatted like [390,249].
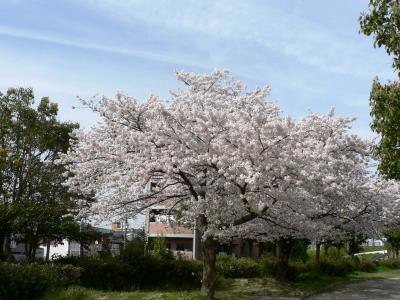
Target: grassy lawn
[314,282]
[343,252]
[244,289]
[80,293]
[373,248]
[381,273]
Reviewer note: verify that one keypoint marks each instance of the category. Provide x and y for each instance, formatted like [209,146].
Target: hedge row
[32,281]
[114,273]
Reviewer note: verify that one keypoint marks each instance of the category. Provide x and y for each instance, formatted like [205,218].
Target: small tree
[382,22]
[34,203]
[160,249]
[393,241]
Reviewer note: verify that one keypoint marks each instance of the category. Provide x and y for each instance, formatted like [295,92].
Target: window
[153,186]
[184,246]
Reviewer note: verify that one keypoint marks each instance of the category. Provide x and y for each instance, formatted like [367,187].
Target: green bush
[361,264]
[126,273]
[392,263]
[103,272]
[299,251]
[272,267]
[32,281]
[367,266]
[231,267]
[336,266]
[134,250]
[160,249]
[184,272]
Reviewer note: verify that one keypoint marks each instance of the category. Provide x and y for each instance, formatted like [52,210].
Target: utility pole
[125,231]
[80,242]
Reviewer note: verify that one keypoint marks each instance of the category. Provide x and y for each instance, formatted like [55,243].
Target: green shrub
[361,264]
[184,272]
[124,273]
[31,281]
[231,267]
[160,249]
[336,266]
[271,266]
[103,272]
[134,250]
[391,263]
[334,253]
[367,266]
[299,251]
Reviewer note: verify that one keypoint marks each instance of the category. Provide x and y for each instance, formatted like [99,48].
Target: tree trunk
[33,252]
[326,248]
[284,247]
[7,243]
[209,251]
[2,246]
[318,253]
[48,251]
[27,251]
[278,249]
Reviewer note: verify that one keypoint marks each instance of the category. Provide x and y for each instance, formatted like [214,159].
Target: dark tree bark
[2,246]
[283,248]
[48,251]
[318,253]
[209,252]
[33,253]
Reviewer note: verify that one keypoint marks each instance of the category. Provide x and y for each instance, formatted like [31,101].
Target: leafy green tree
[382,22]
[135,249]
[160,249]
[393,241]
[385,110]
[34,204]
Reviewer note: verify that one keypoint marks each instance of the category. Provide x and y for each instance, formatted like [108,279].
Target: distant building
[64,248]
[374,242]
[180,240]
[184,242]
[18,250]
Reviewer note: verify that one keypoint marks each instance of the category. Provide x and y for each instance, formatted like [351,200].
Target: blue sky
[309,52]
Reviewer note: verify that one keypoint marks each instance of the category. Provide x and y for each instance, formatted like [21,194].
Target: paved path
[385,289]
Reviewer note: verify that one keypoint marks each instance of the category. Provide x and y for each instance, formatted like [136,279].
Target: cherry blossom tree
[222,155]
[329,191]
[215,149]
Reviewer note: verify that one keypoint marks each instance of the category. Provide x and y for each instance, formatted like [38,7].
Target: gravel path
[385,289]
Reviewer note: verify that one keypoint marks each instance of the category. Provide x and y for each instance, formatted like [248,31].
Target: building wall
[65,248]
[183,242]
[179,239]
[18,250]
[168,229]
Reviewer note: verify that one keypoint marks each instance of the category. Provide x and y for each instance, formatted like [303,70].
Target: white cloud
[71,42]
[252,22]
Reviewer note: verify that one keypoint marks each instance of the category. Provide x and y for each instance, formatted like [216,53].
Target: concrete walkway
[384,289]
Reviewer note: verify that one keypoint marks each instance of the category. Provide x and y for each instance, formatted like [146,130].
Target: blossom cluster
[230,162]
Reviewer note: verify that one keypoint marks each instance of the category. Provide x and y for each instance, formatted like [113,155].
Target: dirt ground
[382,289]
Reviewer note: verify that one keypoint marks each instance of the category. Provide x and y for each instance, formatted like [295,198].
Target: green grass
[244,289]
[343,251]
[80,293]
[373,248]
[380,273]
[314,282]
